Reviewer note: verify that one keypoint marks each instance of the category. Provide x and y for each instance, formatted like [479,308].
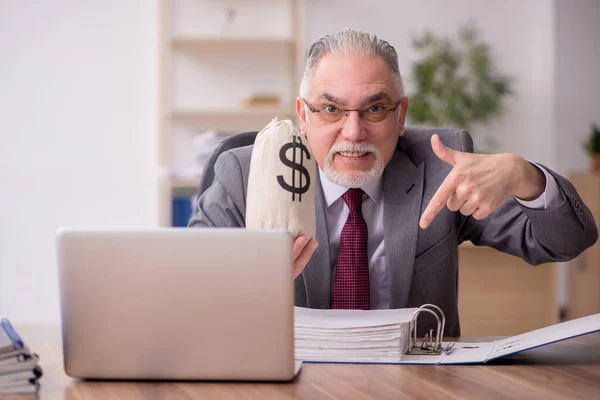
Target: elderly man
[393,204]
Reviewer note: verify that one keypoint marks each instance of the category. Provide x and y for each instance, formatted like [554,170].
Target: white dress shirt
[372,209]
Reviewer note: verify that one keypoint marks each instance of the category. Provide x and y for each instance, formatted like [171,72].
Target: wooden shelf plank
[258,112]
[184,183]
[193,42]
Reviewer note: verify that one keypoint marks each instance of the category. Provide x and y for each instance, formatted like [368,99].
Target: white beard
[354,179]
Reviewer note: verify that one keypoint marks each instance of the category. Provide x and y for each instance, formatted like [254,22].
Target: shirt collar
[332,191]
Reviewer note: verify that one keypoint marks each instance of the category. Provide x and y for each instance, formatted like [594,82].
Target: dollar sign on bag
[295,166]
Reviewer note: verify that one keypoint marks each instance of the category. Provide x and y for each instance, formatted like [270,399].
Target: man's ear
[403,111]
[301,111]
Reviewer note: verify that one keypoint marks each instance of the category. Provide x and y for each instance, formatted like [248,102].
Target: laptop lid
[177,303]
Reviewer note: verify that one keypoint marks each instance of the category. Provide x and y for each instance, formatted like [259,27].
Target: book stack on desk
[351,335]
[19,369]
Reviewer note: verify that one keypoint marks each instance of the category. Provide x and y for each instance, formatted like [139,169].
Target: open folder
[389,336]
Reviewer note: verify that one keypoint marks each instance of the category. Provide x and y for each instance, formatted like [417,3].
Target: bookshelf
[214,54]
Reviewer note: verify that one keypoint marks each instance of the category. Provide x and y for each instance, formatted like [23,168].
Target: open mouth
[353,154]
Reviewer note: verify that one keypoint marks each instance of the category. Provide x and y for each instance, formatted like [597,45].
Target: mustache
[353,147]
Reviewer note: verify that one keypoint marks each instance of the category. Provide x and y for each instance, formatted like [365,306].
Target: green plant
[455,82]
[593,143]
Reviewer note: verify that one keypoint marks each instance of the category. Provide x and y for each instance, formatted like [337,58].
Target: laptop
[177,304]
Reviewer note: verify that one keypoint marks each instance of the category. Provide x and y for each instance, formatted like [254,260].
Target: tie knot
[353,198]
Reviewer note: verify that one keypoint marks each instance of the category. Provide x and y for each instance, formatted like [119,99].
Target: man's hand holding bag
[281,188]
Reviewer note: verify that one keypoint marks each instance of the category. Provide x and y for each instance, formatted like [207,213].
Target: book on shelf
[390,336]
[182,210]
[19,369]
[267,100]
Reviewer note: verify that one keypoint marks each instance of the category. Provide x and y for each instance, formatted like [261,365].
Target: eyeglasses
[332,113]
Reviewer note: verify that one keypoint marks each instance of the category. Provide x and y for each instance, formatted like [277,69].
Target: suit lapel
[402,197]
[317,274]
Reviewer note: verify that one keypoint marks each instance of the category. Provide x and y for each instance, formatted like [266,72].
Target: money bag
[281,182]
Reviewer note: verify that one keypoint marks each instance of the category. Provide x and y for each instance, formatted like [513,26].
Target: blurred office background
[108,108]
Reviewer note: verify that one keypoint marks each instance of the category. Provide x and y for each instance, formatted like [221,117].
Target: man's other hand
[302,251]
[479,183]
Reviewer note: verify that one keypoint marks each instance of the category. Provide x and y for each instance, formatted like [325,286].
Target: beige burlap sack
[281,183]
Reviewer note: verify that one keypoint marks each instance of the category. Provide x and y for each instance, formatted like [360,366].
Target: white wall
[577,79]
[521,36]
[78,125]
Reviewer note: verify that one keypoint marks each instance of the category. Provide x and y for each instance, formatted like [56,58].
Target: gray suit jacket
[422,264]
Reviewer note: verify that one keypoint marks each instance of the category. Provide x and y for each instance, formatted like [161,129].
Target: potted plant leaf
[455,82]
[593,146]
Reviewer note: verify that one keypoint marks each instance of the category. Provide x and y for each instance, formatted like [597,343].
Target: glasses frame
[360,111]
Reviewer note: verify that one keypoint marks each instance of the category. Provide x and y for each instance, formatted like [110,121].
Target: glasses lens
[331,113]
[375,114]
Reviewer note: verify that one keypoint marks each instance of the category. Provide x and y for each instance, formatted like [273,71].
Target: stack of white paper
[351,335]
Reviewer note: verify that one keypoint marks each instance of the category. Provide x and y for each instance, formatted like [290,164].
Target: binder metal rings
[428,346]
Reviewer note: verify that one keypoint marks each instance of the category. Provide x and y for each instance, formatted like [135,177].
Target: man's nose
[353,129]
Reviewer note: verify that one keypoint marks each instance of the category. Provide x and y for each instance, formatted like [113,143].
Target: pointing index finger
[439,200]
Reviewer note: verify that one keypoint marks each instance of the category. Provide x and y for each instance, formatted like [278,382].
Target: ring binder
[346,336]
[427,347]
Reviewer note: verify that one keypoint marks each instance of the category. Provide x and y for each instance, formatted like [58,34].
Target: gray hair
[350,41]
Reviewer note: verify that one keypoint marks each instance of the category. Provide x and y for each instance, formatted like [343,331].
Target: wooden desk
[566,370]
